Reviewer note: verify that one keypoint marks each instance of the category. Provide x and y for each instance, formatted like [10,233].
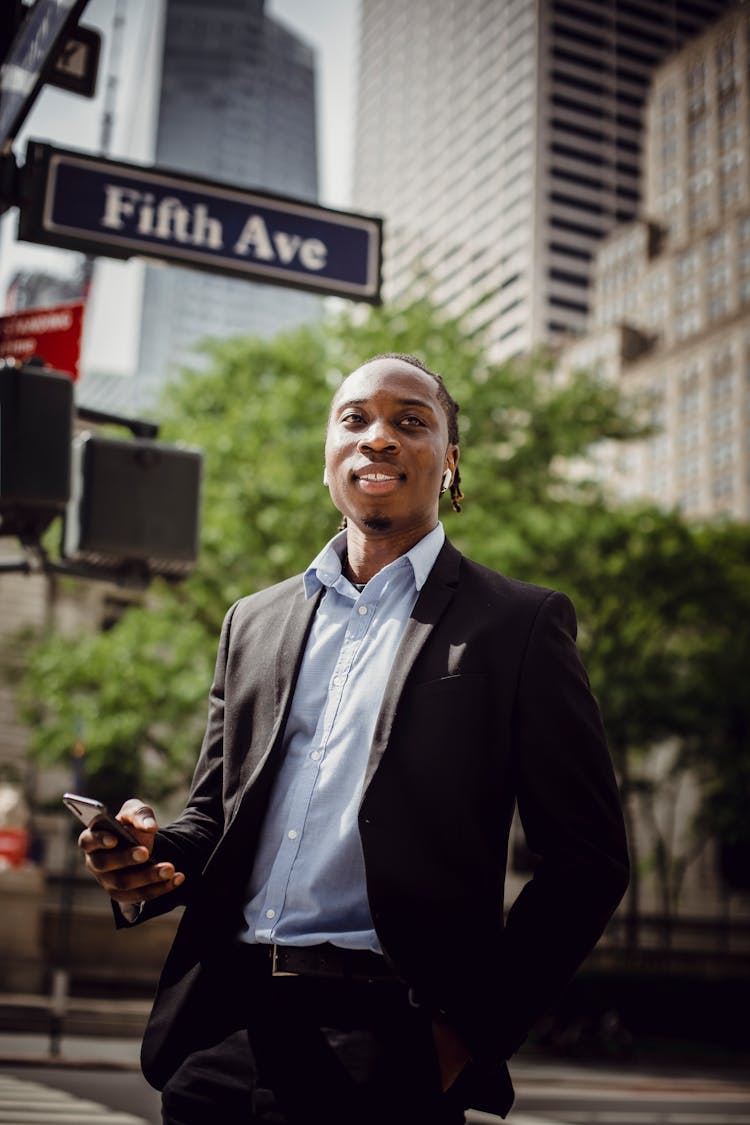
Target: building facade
[671,294]
[237,104]
[502,140]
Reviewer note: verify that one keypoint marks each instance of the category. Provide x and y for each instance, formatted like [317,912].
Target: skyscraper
[501,139]
[671,296]
[237,104]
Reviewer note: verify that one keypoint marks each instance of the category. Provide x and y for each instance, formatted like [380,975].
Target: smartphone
[96,815]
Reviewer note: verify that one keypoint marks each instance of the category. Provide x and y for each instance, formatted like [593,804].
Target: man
[372,726]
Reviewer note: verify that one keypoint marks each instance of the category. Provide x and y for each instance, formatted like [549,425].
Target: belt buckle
[275,970]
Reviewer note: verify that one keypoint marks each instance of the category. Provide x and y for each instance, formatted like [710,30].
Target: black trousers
[317,1051]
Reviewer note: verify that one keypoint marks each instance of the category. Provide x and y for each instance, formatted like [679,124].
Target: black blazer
[487,705]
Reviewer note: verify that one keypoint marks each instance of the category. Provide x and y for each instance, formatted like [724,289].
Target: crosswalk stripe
[479,1117]
[33,1103]
[68,1116]
[611,1117]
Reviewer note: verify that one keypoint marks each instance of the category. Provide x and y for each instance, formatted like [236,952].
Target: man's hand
[124,872]
[452,1054]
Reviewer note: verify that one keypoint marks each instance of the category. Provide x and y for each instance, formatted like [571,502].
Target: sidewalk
[545,1076]
[94,1032]
[106,1034]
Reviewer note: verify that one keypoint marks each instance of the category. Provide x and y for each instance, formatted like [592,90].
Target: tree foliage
[657,598]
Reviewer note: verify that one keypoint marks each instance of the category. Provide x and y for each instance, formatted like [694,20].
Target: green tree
[661,603]
[717,744]
[258,410]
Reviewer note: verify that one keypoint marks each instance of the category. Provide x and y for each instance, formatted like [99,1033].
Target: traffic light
[36,428]
[130,507]
[134,502]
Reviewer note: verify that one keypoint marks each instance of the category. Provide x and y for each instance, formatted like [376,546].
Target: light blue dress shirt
[308,881]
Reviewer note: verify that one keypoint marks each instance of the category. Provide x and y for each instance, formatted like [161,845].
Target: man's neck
[368,553]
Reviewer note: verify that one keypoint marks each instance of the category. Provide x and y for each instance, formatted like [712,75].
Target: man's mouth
[375,482]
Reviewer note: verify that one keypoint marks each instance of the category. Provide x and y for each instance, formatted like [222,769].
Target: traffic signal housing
[133,502]
[36,429]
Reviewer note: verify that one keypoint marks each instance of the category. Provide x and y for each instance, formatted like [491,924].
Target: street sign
[79,202]
[53,334]
[77,63]
[30,58]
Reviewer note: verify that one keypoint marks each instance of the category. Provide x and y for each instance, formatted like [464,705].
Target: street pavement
[24,1101]
[95,1080]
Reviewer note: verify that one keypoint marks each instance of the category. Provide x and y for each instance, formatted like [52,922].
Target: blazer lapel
[290,648]
[434,598]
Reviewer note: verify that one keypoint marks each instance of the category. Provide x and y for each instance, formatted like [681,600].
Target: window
[686,294]
[667,97]
[698,214]
[574,306]
[690,400]
[686,324]
[698,158]
[729,136]
[730,192]
[722,384]
[723,486]
[690,436]
[696,74]
[717,245]
[686,263]
[728,107]
[697,131]
[725,52]
[689,468]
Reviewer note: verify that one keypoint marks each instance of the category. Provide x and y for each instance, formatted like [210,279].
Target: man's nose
[379,437]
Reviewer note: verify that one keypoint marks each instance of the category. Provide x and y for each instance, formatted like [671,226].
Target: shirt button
[270,914]
[337,681]
[362,610]
[292,833]
[316,755]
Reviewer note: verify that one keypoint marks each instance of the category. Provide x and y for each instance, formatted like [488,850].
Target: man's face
[387,448]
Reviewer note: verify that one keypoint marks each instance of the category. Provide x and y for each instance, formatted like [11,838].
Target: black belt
[329,961]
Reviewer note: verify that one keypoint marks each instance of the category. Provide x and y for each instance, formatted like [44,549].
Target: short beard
[377,523]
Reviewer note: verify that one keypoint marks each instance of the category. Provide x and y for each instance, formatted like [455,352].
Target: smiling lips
[376,482]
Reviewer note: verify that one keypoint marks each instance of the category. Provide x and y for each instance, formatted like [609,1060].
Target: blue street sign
[80,202]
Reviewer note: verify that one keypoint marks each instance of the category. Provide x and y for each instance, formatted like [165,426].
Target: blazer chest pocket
[451,708]
[441,745]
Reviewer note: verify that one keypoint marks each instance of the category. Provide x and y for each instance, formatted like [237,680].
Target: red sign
[53,334]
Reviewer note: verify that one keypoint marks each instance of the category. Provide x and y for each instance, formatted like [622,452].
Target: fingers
[122,869]
[138,815]
[140,819]
[108,857]
[93,840]
[140,884]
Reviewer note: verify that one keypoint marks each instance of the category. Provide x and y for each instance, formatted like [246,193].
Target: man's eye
[351,417]
[412,420]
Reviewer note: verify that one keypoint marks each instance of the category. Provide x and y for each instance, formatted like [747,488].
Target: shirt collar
[325,569]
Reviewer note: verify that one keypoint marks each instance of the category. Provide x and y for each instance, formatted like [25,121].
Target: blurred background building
[237,104]
[34,288]
[671,294]
[502,141]
[236,101]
